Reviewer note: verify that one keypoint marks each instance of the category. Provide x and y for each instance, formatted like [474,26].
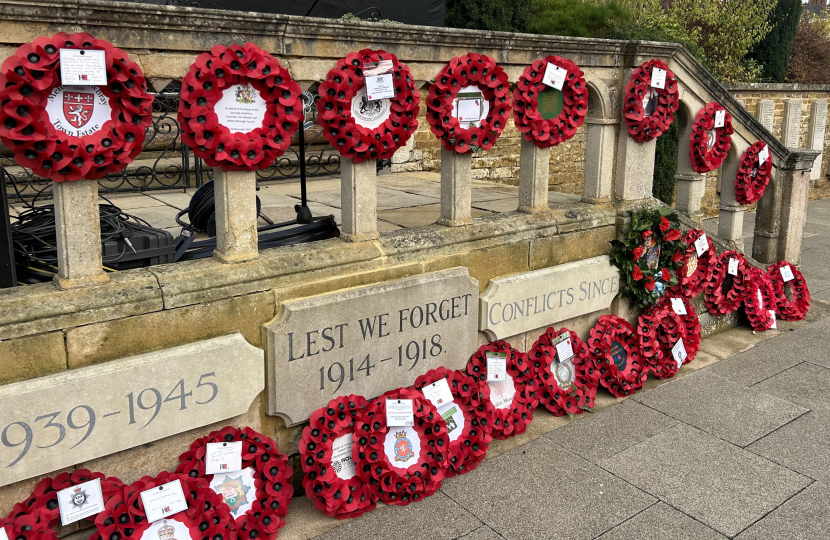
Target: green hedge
[665,165]
[501,15]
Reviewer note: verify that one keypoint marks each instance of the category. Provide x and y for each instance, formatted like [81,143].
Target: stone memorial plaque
[791,130]
[766,113]
[368,340]
[71,417]
[818,125]
[517,304]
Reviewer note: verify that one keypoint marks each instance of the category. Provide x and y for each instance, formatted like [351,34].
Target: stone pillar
[635,168]
[791,126]
[795,188]
[599,165]
[456,188]
[236,233]
[767,221]
[534,171]
[731,220]
[690,184]
[818,125]
[358,200]
[78,229]
[766,113]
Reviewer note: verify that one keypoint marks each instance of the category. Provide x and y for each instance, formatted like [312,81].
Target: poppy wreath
[694,271]
[219,70]
[207,516]
[725,292]
[28,79]
[702,157]
[21,525]
[649,255]
[333,495]
[45,494]
[271,477]
[759,299]
[334,109]
[462,71]
[470,446]
[402,485]
[615,352]
[542,132]
[658,330]
[511,418]
[797,308]
[559,398]
[750,187]
[645,128]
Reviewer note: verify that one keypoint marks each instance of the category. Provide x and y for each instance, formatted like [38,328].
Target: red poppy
[677,256]
[665,225]
[666,274]
[637,274]
[637,252]
[649,283]
[672,235]
[647,233]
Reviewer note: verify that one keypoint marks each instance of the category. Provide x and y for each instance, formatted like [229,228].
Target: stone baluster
[359,200]
[456,188]
[534,171]
[731,220]
[78,229]
[635,168]
[599,167]
[236,227]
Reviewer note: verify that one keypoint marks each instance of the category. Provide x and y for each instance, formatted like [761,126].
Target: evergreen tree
[665,164]
[501,15]
[773,52]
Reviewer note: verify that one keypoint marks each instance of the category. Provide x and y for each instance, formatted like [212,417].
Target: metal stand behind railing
[8,275]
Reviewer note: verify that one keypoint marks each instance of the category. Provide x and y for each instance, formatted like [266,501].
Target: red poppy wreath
[20,525]
[724,289]
[709,144]
[753,176]
[660,328]
[406,464]
[515,397]
[649,109]
[759,299]
[565,387]
[239,108]
[469,103]
[331,478]
[545,114]
[794,304]
[359,125]
[694,269]
[257,496]
[65,132]
[468,417]
[206,517]
[615,351]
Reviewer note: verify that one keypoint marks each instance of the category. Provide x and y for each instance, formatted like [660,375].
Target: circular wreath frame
[641,285]
[512,420]
[28,78]
[221,68]
[716,302]
[613,328]
[546,133]
[659,329]
[645,128]
[748,189]
[332,495]
[334,109]
[582,393]
[469,449]
[421,479]
[691,286]
[797,308]
[759,299]
[461,71]
[272,475]
[702,160]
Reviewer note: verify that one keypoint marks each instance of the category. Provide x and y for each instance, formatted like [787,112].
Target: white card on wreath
[701,245]
[564,350]
[223,457]
[341,457]
[733,267]
[82,501]
[658,78]
[720,118]
[3,535]
[763,155]
[678,306]
[787,273]
[438,393]
[774,320]
[555,76]
[163,501]
[496,366]
[380,82]
[679,352]
[399,413]
[83,67]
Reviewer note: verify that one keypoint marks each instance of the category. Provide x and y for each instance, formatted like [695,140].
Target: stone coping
[777,87]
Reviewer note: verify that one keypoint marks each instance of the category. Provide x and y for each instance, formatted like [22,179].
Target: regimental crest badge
[691,264]
[235,493]
[79,498]
[619,355]
[166,532]
[403,447]
[564,374]
[77,108]
[245,93]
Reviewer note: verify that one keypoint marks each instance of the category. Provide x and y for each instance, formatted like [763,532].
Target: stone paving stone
[805,384]
[434,518]
[501,205]
[176,199]
[543,491]
[804,517]
[721,407]
[418,216]
[803,446]
[714,482]
[601,435]
[125,201]
[752,367]
[662,522]
[482,533]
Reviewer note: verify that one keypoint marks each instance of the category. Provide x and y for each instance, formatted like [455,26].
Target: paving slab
[500,206]
[662,522]
[128,201]
[418,216]
[716,483]
[729,343]
[608,432]
[544,491]
[160,217]
[721,407]
[482,533]
[752,366]
[805,384]
[803,446]
[177,199]
[804,517]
